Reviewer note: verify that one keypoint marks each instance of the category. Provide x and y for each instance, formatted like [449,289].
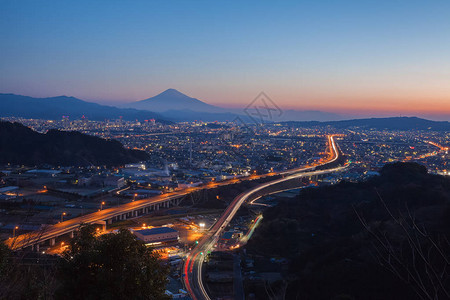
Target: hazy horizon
[345,114]
[359,58]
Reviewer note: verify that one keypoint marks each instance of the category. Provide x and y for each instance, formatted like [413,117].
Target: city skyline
[364,59]
[205,150]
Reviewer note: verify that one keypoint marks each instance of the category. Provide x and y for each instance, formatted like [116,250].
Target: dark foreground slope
[21,145]
[402,252]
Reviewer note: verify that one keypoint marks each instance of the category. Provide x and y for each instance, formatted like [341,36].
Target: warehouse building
[157,235]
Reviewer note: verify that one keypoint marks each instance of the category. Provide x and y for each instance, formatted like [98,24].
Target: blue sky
[361,56]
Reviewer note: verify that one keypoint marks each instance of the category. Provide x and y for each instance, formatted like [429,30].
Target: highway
[70,225]
[192,270]
[132,208]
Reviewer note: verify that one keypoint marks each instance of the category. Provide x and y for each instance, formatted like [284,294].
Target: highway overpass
[49,234]
[192,270]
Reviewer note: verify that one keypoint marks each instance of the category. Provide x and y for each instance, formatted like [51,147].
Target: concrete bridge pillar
[52,242]
[71,234]
[101,223]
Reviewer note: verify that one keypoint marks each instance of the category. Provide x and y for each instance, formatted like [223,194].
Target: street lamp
[101,205]
[62,216]
[135,195]
[14,231]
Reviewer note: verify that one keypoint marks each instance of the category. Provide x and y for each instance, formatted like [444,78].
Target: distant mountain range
[393,123]
[21,145]
[174,106]
[173,100]
[170,105]
[55,107]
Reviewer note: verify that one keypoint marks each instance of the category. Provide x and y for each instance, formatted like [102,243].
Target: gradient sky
[364,57]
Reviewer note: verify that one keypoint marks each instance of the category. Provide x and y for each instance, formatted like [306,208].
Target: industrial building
[157,235]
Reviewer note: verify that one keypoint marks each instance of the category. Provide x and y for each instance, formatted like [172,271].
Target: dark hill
[385,238]
[21,145]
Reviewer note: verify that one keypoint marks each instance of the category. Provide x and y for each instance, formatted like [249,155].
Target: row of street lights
[64,213]
[62,219]
[17,227]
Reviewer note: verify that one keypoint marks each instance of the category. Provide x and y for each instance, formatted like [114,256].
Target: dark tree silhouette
[110,266]
[395,247]
[419,258]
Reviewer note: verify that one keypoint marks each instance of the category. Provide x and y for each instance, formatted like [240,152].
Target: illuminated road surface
[192,270]
[69,226]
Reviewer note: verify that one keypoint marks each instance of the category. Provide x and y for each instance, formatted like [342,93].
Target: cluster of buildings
[369,150]
[185,155]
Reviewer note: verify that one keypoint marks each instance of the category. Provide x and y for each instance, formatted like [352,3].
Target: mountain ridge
[12,105]
[172,99]
[389,123]
[181,108]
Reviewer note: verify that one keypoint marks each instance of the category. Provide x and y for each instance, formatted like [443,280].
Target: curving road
[192,270]
[70,225]
[67,227]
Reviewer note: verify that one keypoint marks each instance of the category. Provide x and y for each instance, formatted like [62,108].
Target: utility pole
[190,152]
[14,231]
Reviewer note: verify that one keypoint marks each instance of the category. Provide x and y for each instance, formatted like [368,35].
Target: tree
[110,266]
[419,258]
[26,275]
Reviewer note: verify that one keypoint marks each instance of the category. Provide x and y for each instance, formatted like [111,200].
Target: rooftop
[156,230]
